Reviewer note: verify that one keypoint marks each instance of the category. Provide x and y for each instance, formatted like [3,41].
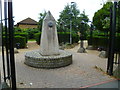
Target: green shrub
[98,41]
[17,39]
[75,38]
[32,32]
[63,37]
[117,44]
[102,41]
[21,40]
[23,35]
[37,37]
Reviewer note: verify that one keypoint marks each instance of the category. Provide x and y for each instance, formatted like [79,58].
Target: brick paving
[83,72]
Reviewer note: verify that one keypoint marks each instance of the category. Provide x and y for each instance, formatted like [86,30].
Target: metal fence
[113,54]
[8,60]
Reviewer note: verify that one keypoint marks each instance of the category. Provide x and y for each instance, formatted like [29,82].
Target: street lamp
[71,22]
[90,47]
[81,49]
[62,25]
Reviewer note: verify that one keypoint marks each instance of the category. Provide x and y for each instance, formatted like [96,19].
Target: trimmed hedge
[102,41]
[63,37]
[17,39]
[37,37]
[21,40]
[98,41]
[32,32]
[23,35]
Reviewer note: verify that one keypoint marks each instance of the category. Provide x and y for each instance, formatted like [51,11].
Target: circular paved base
[35,59]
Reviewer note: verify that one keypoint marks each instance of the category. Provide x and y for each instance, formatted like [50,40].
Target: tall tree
[70,14]
[118,18]
[101,18]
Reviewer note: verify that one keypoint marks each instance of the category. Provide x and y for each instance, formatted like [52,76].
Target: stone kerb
[35,59]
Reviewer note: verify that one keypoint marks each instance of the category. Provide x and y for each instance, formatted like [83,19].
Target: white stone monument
[49,39]
[48,56]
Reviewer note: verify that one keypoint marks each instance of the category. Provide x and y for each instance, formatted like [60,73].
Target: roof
[28,21]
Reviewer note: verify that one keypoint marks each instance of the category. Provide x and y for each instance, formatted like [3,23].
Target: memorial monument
[49,55]
[49,40]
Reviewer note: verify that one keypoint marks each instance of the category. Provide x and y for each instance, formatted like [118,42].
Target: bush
[17,39]
[117,44]
[102,41]
[21,40]
[63,37]
[32,32]
[23,35]
[37,37]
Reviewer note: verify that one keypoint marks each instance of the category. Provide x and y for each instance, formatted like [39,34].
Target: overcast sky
[31,8]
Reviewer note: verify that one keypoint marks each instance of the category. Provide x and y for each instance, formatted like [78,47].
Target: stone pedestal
[90,47]
[103,54]
[81,50]
[34,59]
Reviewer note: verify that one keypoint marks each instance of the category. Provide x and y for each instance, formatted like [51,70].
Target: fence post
[11,39]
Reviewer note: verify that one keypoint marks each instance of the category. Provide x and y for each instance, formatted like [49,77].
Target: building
[27,23]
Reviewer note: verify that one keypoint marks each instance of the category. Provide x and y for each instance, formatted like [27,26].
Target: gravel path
[85,70]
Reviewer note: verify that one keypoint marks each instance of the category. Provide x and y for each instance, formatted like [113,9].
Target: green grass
[31,40]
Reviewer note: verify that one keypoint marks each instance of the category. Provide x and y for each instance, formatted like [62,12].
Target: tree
[84,17]
[42,15]
[118,18]
[71,14]
[101,18]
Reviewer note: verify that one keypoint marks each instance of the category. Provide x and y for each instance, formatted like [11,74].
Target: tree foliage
[101,18]
[118,18]
[72,15]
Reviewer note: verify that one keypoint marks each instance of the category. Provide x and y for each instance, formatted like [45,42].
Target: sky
[23,9]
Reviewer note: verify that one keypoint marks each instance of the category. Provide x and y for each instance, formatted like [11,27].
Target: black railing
[113,53]
[8,42]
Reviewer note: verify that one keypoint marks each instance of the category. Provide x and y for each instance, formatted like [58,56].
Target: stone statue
[49,39]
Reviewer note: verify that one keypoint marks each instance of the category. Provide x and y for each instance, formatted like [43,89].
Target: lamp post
[71,22]
[70,31]
[81,49]
[90,47]
[91,33]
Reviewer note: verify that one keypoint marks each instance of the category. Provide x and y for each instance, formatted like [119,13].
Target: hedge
[23,35]
[17,39]
[63,37]
[37,37]
[102,41]
[32,32]
[21,40]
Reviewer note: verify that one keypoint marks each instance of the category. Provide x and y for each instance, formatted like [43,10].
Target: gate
[114,51]
[7,38]
[7,44]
